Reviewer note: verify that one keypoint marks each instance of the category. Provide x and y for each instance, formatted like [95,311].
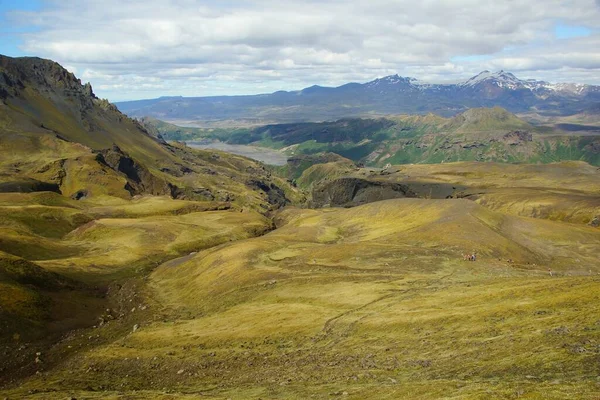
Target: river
[267,156]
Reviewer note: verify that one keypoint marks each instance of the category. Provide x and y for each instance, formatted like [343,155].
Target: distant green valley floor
[475,135]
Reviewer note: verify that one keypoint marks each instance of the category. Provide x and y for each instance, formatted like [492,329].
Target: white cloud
[136,49]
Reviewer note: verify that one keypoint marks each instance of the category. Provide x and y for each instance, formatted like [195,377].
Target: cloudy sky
[130,49]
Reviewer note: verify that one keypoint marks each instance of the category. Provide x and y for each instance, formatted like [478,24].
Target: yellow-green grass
[114,245]
[96,242]
[28,138]
[35,302]
[42,199]
[539,203]
[568,175]
[485,119]
[40,156]
[318,173]
[33,146]
[49,221]
[566,191]
[444,338]
[100,128]
[144,206]
[106,235]
[418,235]
[34,247]
[375,301]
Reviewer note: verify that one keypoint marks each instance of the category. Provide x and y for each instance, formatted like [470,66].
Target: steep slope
[40,95]
[55,130]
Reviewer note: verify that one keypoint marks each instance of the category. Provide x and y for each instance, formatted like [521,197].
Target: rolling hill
[368,302]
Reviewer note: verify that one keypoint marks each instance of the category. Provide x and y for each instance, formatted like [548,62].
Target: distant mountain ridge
[392,94]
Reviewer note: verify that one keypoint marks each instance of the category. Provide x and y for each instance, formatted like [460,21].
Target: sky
[130,49]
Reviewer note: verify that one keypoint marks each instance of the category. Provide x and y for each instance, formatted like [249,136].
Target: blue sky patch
[562,31]
[10,30]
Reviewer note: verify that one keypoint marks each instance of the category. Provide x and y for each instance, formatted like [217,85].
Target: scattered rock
[80,195]
[515,138]
[136,327]
[560,330]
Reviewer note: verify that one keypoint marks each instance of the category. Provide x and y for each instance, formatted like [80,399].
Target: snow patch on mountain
[507,80]
[502,79]
[393,80]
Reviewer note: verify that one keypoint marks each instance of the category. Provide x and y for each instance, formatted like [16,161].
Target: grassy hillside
[567,191]
[374,301]
[89,201]
[55,130]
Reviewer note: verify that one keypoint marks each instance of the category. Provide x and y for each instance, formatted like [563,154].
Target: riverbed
[267,156]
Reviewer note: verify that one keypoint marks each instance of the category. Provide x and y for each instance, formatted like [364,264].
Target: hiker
[550,272]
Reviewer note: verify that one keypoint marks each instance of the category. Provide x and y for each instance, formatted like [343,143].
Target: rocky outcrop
[42,73]
[593,147]
[139,179]
[28,186]
[347,192]
[275,195]
[515,138]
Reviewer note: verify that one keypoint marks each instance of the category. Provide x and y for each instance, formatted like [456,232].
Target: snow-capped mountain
[393,80]
[507,80]
[501,79]
[392,94]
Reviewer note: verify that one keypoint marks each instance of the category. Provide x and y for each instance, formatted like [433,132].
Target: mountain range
[389,95]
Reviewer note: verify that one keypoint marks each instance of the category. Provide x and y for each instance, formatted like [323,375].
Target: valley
[479,134]
[134,266]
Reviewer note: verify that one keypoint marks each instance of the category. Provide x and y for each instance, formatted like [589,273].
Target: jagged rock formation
[139,179]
